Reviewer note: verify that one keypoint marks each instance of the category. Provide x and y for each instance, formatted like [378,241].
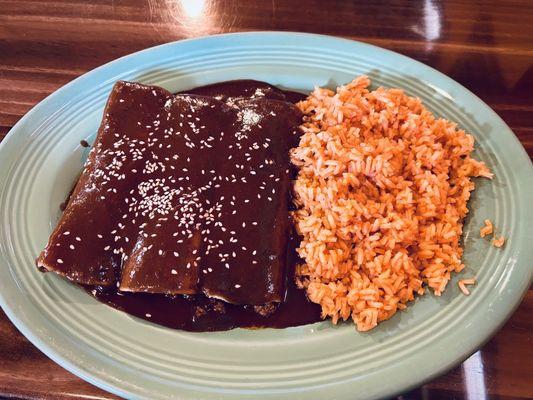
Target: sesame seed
[174,272]
[237,286]
[59,261]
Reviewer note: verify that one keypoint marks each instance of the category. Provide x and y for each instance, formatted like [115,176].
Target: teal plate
[41,157]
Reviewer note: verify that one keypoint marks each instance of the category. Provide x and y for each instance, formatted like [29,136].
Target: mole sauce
[197,312]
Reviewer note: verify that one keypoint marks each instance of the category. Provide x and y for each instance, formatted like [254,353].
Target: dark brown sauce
[199,313]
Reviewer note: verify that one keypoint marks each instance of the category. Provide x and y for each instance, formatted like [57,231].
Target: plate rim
[72,367]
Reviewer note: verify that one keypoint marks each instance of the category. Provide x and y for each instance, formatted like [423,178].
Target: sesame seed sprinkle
[182,188]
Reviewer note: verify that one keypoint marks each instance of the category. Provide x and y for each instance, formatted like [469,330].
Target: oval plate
[41,157]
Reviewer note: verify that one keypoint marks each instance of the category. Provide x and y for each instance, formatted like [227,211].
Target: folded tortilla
[182,194]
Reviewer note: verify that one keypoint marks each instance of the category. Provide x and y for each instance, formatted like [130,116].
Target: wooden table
[487,47]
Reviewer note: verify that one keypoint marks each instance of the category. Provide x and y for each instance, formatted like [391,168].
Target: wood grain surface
[487,46]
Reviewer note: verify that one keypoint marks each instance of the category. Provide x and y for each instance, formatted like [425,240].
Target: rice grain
[381,195]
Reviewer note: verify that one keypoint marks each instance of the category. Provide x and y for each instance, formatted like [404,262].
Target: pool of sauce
[200,313]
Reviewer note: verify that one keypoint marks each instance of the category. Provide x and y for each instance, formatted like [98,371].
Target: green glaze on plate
[41,157]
